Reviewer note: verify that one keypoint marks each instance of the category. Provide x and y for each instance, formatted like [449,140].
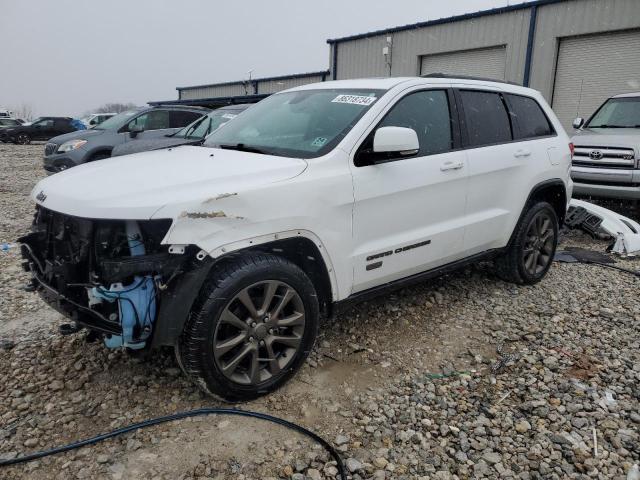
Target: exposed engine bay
[106,275]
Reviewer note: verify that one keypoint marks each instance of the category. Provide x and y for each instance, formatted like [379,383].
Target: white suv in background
[314,198]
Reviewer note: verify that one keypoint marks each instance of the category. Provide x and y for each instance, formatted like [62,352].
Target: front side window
[617,113]
[44,123]
[153,120]
[426,112]
[117,121]
[485,117]
[305,123]
[528,117]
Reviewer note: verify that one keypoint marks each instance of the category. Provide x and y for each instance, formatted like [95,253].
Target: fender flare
[242,244]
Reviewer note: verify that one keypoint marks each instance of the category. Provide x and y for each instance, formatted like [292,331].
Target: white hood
[136,186]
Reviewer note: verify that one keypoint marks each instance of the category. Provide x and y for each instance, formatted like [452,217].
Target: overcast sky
[66,57]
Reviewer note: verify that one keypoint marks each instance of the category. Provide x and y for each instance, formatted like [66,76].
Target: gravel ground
[462,377]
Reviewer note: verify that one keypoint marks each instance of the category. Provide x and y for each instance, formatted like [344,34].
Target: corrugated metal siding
[592,69]
[364,58]
[485,62]
[215,91]
[572,18]
[238,88]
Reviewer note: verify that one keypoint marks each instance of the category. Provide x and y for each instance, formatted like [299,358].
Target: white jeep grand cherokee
[315,197]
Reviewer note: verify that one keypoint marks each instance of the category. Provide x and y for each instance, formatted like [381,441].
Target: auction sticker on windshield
[354,99]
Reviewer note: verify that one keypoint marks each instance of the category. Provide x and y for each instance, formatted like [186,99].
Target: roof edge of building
[440,21]
[263,79]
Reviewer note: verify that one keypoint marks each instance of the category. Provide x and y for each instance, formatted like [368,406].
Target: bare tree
[24,111]
[114,108]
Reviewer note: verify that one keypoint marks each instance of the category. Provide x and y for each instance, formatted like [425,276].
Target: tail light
[571,148]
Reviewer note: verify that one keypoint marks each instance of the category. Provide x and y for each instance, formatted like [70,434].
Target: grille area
[50,148]
[605,157]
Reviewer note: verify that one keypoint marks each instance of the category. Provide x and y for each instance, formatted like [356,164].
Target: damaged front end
[110,276]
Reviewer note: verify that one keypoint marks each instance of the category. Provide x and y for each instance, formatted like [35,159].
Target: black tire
[520,264]
[22,139]
[267,358]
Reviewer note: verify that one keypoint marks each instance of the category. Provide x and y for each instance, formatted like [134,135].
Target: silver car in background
[606,159]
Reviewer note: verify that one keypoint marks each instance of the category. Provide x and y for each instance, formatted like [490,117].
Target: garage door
[593,68]
[484,62]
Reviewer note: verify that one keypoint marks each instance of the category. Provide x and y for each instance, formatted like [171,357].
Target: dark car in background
[66,151]
[192,134]
[42,128]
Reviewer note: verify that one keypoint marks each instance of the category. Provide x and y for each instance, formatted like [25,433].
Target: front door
[409,212]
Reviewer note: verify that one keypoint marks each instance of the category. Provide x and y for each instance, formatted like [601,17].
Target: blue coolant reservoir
[136,301]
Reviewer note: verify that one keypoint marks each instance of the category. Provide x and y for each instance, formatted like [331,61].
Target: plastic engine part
[136,301]
[136,311]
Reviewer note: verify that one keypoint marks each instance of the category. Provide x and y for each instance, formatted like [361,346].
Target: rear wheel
[531,251]
[252,328]
[23,139]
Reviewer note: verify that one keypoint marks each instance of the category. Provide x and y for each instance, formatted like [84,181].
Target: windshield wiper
[242,148]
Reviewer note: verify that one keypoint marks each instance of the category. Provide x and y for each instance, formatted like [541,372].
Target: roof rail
[467,77]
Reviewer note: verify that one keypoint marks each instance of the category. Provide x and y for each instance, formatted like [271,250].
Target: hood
[608,137]
[136,186]
[78,134]
[150,144]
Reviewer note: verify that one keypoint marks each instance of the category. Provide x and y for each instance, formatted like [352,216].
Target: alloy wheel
[23,139]
[259,332]
[539,243]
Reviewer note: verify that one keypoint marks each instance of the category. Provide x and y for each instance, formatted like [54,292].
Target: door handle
[450,165]
[521,152]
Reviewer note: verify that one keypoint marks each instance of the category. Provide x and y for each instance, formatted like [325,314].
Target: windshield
[116,121]
[617,113]
[205,125]
[304,124]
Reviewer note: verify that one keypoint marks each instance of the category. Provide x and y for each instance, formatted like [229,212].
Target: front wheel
[23,139]
[251,329]
[533,247]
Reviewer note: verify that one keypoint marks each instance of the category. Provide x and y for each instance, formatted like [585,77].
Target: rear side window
[528,118]
[426,112]
[486,118]
[179,119]
[152,120]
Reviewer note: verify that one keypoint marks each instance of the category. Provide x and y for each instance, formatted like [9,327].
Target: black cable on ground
[178,416]
[620,269]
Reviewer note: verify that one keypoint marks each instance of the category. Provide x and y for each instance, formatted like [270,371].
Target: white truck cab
[311,199]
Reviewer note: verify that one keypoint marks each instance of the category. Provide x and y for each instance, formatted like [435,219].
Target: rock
[491,457]
[56,385]
[341,440]
[6,344]
[314,474]
[353,465]
[523,426]
[287,471]
[102,458]
[380,462]
[31,442]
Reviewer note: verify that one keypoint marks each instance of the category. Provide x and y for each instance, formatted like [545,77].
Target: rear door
[409,212]
[506,136]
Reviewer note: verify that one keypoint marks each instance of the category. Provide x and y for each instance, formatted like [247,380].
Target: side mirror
[400,140]
[578,122]
[135,130]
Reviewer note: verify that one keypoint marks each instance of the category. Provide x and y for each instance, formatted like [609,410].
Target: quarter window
[486,118]
[426,112]
[529,119]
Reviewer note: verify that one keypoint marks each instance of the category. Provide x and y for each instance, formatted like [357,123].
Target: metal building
[243,91]
[576,52]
